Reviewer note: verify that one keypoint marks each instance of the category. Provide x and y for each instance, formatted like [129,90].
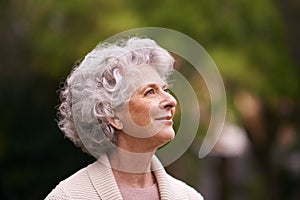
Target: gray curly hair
[97,87]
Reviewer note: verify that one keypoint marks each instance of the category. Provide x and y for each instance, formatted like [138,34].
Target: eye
[149,91]
[167,90]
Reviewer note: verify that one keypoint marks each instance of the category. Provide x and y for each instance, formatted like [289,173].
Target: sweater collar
[164,184]
[102,178]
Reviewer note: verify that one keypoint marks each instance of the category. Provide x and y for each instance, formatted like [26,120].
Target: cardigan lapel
[103,180]
[164,184]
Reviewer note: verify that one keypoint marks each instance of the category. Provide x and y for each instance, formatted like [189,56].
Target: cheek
[140,113]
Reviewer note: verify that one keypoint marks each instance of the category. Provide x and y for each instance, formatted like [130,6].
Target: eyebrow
[153,85]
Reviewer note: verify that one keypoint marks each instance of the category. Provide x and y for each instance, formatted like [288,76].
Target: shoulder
[58,193]
[181,187]
[76,185]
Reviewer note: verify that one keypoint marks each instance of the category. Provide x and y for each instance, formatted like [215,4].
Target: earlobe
[116,123]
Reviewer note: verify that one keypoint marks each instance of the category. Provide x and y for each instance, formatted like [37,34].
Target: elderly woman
[117,107]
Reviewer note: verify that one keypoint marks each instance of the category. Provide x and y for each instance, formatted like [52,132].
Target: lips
[164,118]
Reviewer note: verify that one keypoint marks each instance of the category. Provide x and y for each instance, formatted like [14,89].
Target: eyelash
[151,91]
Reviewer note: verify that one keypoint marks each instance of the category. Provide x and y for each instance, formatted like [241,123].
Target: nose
[168,101]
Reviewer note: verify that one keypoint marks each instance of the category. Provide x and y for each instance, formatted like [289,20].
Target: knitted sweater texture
[97,181]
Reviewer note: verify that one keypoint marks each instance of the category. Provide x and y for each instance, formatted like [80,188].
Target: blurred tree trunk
[291,14]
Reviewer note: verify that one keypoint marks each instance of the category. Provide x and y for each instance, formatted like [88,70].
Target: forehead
[147,75]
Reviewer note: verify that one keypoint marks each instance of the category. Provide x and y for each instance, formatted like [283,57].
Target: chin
[167,135]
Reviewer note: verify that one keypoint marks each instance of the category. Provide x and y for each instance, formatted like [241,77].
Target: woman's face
[150,110]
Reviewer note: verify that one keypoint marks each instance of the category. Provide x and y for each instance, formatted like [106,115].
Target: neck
[130,162]
[138,145]
[132,169]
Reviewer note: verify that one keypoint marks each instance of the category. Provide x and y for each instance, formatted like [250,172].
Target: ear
[116,123]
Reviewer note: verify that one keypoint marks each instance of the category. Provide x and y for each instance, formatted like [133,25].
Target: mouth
[165,118]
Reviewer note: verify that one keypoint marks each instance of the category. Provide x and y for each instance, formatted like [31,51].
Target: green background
[255,45]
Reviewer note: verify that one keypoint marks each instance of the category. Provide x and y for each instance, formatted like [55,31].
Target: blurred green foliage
[42,39]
